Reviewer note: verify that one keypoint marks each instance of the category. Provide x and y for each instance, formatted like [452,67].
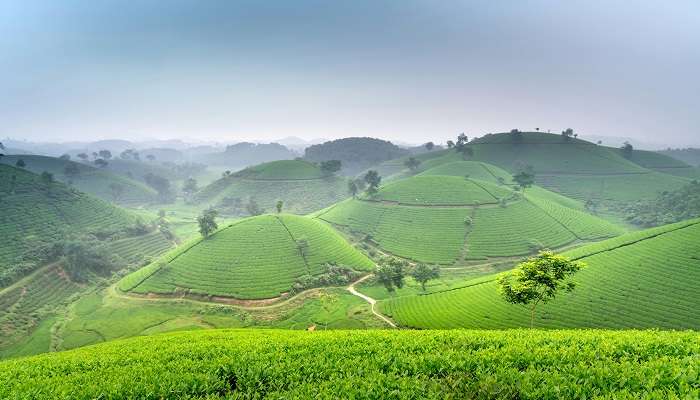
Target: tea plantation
[255,258]
[645,279]
[448,219]
[257,364]
[88,179]
[299,184]
[36,213]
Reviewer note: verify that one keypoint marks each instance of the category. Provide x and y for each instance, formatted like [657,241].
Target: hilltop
[255,258]
[86,178]
[451,219]
[248,364]
[301,185]
[355,153]
[645,279]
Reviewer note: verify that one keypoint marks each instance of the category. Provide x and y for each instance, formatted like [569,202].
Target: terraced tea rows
[441,190]
[255,258]
[36,214]
[472,169]
[89,179]
[251,364]
[282,170]
[134,249]
[23,306]
[647,281]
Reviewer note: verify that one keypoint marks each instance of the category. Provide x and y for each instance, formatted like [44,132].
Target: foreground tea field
[248,364]
[256,258]
[645,279]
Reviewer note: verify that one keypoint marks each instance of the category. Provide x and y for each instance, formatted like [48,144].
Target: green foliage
[538,280]
[288,170]
[525,178]
[627,150]
[645,279]
[391,272]
[412,163]
[356,154]
[423,273]
[668,207]
[82,257]
[254,258]
[278,206]
[374,364]
[373,180]
[207,222]
[330,167]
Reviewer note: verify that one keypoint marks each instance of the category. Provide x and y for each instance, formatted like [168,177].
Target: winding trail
[368,299]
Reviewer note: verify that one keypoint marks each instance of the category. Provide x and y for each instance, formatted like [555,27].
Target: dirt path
[368,299]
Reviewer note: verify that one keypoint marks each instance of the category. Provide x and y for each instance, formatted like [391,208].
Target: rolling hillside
[88,179]
[644,279]
[254,364]
[301,185]
[36,216]
[255,258]
[572,167]
[448,219]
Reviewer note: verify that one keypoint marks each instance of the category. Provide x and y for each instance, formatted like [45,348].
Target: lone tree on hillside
[373,180]
[516,135]
[330,167]
[279,205]
[627,149]
[412,163]
[538,280]
[207,222]
[2,146]
[101,162]
[429,146]
[65,156]
[423,273]
[391,273]
[352,188]
[450,144]
[106,154]
[525,178]
[20,163]
[82,156]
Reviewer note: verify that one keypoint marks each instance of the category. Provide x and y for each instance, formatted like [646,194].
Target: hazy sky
[406,70]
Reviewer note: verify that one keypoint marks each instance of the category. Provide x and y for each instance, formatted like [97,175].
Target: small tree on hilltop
[391,273]
[101,162]
[207,222]
[412,163]
[450,144]
[279,205]
[423,273]
[429,146]
[82,156]
[20,163]
[538,280]
[2,146]
[567,134]
[65,156]
[373,180]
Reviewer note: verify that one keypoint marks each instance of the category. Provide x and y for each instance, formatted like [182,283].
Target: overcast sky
[403,70]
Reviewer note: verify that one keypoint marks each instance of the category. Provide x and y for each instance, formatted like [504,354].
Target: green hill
[256,364]
[88,179]
[472,169]
[36,214]
[645,279]
[301,185]
[255,258]
[447,220]
[573,167]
